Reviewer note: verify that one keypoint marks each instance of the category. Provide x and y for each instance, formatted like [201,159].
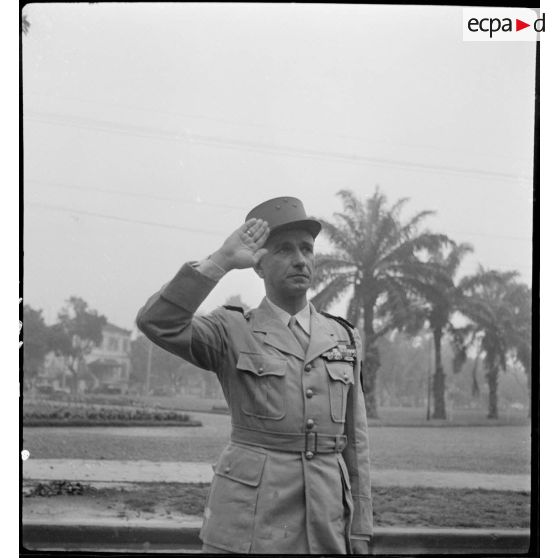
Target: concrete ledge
[450,541]
[162,537]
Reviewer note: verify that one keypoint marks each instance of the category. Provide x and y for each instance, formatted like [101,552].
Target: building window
[112,344]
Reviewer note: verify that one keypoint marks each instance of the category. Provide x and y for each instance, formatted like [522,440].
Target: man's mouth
[300,275]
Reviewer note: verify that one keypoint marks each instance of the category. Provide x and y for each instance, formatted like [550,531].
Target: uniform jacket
[266,500]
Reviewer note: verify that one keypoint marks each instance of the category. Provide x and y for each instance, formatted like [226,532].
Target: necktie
[299,333]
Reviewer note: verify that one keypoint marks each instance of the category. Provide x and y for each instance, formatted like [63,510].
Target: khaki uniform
[295,477]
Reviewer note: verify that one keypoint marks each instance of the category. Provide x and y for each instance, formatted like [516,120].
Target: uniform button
[308,367]
[309,424]
[346,377]
[309,454]
[227,469]
[260,369]
[309,393]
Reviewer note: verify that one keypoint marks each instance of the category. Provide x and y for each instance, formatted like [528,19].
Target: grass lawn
[483,449]
[390,416]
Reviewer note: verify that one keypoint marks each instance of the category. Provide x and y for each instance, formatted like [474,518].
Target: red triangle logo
[519,25]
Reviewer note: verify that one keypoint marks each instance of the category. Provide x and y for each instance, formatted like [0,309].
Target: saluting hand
[244,247]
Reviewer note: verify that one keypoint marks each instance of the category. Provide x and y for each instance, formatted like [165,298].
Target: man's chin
[299,284]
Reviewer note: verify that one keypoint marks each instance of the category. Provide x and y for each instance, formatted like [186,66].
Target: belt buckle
[306,442]
[340,442]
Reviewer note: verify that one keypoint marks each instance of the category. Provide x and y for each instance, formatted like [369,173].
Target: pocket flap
[261,365]
[340,371]
[242,465]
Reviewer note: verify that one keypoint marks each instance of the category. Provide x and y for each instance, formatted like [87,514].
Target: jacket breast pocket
[341,379]
[261,381]
[231,508]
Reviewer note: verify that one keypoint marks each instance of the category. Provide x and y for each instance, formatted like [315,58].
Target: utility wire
[181,200]
[216,141]
[149,223]
[132,194]
[123,219]
[319,133]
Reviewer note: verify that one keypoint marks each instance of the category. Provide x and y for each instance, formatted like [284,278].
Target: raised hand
[244,247]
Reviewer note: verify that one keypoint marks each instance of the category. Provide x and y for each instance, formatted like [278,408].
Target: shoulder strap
[348,326]
[234,308]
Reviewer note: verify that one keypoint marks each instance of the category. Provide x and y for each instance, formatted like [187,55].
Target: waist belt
[308,442]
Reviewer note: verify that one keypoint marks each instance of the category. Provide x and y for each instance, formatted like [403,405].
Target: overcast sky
[150,130]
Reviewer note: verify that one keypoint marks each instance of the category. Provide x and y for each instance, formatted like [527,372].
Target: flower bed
[51,413]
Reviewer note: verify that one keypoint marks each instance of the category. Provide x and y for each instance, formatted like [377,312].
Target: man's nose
[299,259]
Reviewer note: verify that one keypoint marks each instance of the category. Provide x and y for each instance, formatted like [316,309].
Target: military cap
[285,213]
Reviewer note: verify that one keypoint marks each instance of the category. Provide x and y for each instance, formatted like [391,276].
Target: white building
[109,364]
[107,367]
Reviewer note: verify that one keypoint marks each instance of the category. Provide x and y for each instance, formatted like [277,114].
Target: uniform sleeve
[356,453]
[168,320]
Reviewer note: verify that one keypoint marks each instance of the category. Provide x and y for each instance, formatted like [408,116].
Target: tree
[440,302]
[35,342]
[495,325]
[447,299]
[77,331]
[377,257]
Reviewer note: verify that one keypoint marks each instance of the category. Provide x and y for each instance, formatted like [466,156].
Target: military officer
[295,476]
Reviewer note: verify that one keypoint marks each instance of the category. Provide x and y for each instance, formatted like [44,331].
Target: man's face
[287,268]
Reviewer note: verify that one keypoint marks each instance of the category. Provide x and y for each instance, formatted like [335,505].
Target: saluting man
[295,476]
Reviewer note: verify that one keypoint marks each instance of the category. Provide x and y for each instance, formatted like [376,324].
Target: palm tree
[495,327]
[441,303]
[376,256]
[444,301]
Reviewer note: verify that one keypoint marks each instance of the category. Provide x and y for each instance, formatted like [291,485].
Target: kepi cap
[285,213]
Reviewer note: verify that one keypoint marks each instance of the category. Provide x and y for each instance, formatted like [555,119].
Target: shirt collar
[302,317]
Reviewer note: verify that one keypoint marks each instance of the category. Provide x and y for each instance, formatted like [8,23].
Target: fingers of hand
[245,230]
[260,232]
[249,224]
[255,230]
